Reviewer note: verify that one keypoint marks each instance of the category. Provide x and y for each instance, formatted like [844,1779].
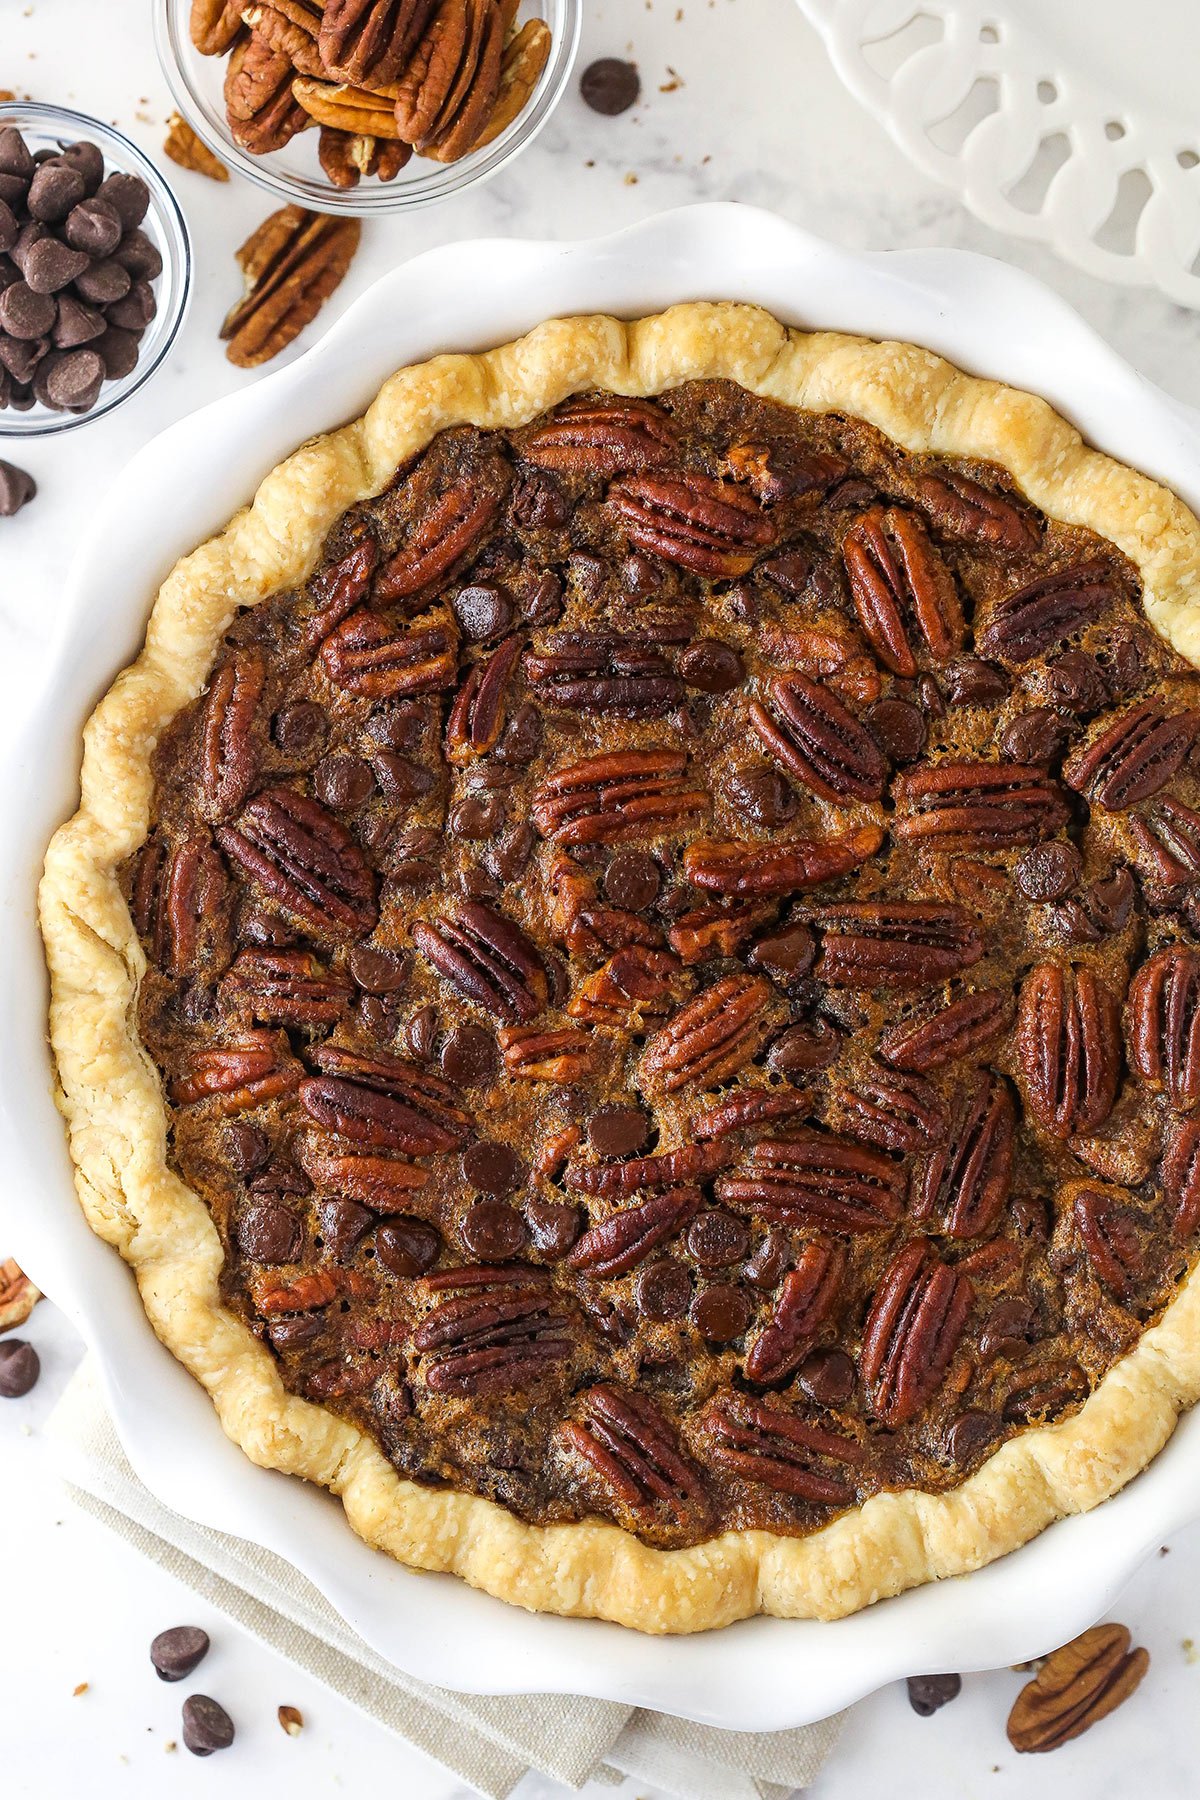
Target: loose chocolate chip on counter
[492,1168]
[1048,871]
[632,880]
[663,1290]
[17,489]
[618,1131]
[721,1313]
[766,1268]
[926,1693]
[175,1653]
[20,1366]
[610,85]
[553,1225]
[898,727]
[206,1725]
[827,1376]
[715,1239]
[493,1231]
[763,796]
[93,227]
[407,1247]
[483,611]
[711,666]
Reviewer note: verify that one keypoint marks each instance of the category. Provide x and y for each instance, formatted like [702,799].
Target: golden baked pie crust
[111,1096]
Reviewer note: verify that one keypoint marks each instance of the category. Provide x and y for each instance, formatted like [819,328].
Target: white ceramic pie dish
[764,1673]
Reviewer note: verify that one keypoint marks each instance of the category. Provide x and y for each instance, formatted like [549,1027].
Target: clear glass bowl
[294,173]
[50,128]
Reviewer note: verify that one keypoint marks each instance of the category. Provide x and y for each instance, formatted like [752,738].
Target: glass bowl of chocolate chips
[95,269]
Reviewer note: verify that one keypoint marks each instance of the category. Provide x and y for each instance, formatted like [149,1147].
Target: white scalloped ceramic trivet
[1075,122]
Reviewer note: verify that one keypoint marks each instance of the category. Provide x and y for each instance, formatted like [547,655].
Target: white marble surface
[753,113]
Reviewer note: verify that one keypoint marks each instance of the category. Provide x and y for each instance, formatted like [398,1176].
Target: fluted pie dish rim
[112,1098]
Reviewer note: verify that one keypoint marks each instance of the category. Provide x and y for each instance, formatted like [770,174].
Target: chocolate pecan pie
[628,974]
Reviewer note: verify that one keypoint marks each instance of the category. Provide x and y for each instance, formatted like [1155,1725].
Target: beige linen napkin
[493,1742]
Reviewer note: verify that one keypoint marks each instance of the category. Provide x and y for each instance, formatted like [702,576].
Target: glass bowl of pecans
[95,269]
[367,106]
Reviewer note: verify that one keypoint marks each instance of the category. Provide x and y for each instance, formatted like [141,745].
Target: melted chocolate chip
[663,1290]
[553,1226]
[898,728]
[468,1055]
[711,666]
[407,1247]
[483,611]
[764,796]
[827,1376]
[766,1268]
[1048,871]
[378,971]
[715,1239]
[269,1234]
[493,1231]
[492,1168]
[617,1131]
[721,1313]
[343,782]
[632,880]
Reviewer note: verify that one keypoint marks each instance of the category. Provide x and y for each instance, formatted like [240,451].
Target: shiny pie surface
[672,965]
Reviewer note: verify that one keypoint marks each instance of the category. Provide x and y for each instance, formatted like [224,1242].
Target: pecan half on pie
[645,976]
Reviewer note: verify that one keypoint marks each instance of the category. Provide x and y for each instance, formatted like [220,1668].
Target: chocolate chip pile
[673,957]
[76,274]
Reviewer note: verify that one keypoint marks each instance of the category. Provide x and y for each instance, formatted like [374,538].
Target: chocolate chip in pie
[669,937]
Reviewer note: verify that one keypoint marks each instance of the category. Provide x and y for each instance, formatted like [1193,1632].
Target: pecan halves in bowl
[290,265]
[369,42]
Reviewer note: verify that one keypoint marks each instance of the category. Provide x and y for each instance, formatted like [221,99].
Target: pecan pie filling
[673,962]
